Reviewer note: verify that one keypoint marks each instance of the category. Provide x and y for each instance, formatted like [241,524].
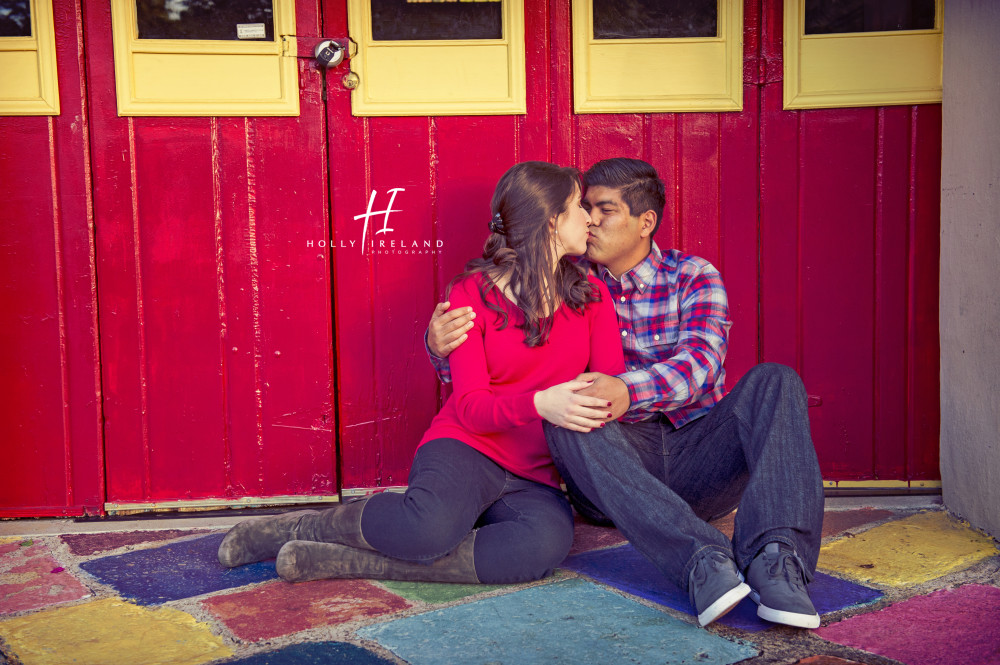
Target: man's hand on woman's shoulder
[448,328]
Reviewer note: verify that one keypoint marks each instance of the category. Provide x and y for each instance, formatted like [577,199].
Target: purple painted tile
[929,630]
[624,568]
[314,653]
[178,570]
[31,578]
[85,544]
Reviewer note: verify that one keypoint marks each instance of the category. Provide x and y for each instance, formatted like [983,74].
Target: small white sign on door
[251,31]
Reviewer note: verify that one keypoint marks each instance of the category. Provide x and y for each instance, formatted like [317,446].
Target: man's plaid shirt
[674,320]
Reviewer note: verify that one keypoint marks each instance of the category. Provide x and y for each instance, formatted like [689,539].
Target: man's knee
[775,376]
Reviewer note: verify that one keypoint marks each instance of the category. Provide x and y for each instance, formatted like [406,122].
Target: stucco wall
[970,263]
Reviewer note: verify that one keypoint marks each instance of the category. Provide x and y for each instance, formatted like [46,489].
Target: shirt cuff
[633,381]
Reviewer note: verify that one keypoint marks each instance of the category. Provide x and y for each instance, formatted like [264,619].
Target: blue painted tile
[567,622]
[178,570]
[624,568]
[314,653]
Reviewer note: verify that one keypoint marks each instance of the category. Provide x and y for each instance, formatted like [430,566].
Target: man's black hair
[639,183]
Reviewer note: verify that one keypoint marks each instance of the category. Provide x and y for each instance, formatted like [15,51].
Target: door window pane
[835,16]
[15,18]
[655,19]
[205,19]
[407,20]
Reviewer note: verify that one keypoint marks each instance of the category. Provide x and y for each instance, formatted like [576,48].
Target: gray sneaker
[715,586]
[777,580]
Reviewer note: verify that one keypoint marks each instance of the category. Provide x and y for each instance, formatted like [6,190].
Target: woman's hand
[563,406]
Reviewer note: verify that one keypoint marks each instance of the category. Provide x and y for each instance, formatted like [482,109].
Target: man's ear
[647,222]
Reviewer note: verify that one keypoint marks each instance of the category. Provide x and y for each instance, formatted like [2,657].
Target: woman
[483,502]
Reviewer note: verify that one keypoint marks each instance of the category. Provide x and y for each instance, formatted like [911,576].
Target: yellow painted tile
[111,631]
[912,550]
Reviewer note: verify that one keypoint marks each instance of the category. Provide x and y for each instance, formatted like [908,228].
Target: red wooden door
[823,224]
[51,459]
[214,296]
[191,313]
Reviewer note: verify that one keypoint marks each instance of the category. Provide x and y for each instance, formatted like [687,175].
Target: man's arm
[447,330]
[695,361]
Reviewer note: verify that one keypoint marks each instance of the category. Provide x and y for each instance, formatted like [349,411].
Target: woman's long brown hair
[527,196]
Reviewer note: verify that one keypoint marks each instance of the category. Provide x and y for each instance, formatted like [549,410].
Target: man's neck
[618,270]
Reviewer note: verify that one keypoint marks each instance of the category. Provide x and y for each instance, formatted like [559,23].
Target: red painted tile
[85,544]
[587,536]
[726,524]
[280,608]
[838,521]
[30,578]
[927,630]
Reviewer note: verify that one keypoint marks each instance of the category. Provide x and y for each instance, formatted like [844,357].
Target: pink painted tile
[280,608]
[927,630]
[31,578]
[85,544]
[587,536]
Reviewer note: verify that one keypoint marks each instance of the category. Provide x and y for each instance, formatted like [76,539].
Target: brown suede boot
[301,561]
[261,538]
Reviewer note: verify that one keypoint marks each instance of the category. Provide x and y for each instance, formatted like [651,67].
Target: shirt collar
[642,275]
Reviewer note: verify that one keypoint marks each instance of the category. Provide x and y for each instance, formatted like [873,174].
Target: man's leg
[621,471]
[756,443]
[754,447]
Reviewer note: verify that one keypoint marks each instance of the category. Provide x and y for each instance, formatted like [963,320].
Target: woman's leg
[450,485]
[524,534]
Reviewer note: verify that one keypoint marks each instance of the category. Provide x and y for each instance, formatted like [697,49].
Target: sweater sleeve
[479,408]
[606,355]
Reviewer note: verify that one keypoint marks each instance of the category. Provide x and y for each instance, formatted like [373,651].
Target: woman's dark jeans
[524,528]
[659,484]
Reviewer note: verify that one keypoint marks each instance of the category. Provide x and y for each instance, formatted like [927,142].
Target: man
[679,451]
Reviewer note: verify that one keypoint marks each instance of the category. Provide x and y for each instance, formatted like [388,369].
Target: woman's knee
[527,558]
[415,525]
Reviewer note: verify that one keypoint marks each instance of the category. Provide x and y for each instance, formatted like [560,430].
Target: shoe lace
[789,566]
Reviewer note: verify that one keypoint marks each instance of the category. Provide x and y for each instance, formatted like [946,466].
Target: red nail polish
[609,403]
[609,415]
[602,424]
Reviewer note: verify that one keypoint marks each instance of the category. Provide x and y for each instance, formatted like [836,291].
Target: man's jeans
[659,484]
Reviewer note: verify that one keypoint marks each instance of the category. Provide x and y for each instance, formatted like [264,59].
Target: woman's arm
[480,409]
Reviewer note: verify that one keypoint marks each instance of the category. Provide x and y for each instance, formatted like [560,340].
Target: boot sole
[726,602]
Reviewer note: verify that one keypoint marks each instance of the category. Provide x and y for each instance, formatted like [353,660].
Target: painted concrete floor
[898,583]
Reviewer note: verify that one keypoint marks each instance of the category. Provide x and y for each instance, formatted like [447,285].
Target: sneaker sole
[784,617]
[726,602]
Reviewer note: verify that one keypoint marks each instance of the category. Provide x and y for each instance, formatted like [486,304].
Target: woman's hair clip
[496,225]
